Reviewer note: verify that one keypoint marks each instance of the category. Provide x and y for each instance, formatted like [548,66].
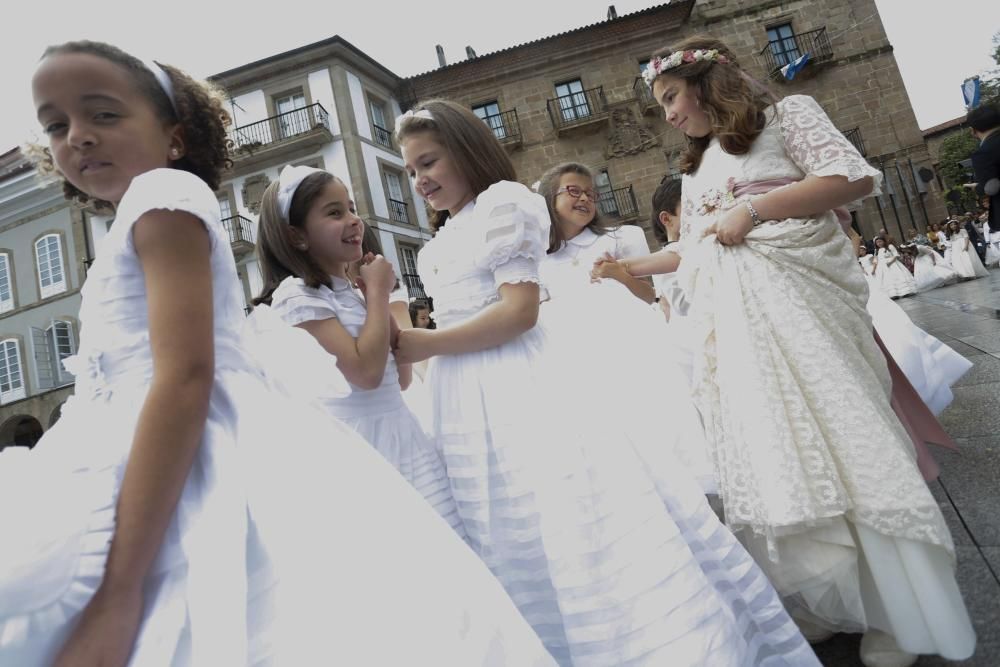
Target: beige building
[577,96]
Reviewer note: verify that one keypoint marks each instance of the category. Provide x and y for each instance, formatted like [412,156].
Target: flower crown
[658,66]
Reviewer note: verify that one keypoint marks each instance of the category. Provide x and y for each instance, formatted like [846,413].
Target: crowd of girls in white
[228,490]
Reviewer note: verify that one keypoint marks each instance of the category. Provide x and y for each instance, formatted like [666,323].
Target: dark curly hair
[200,113]
[733,102]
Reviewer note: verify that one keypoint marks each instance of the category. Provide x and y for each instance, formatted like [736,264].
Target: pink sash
[920,423]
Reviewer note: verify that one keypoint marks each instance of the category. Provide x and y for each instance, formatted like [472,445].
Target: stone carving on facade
[253,191]
[628,134]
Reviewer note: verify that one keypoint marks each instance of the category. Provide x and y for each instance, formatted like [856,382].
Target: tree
[955,149]
[989,81]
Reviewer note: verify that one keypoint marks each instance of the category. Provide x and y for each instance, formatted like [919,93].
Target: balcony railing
[383,136]
[578,108]
[644,95]
[505,126]
[781,52]
[248,138]
[398,211]
[854,136]
[618,203]
[414,286]
[240,230]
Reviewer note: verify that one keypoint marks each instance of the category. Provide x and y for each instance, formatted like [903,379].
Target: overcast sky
[937,44]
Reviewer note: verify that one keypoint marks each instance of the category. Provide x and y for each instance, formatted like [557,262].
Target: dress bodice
[114,312]
[499,238]
[569,267]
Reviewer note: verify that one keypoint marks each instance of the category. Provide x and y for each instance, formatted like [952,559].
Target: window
[605,194]
[572,100]
[408,259]
[6,288]
[48,253]
[225,209]
[293,117]
[783,44]
[11,379]
[50,346]
[382,135]
[394,194]
[490,113]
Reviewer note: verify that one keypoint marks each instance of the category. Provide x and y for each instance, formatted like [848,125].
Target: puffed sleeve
[295,302]
[817,146]
[170,190]
[515,225]
[631,242]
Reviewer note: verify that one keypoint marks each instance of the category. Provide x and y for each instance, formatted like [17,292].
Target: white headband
[163,79]
[402,118]
[288,182]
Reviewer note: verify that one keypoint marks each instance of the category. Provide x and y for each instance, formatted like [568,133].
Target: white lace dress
[930,271]
[892,275]
[293,542]
[604,326]
[609,550]
[964,257]
[379,415]
[816,473]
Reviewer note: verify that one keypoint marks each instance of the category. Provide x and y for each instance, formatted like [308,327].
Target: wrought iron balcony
[644,95]
[577,109]
[505,127]
[240,232]
[854,136]
[618,203]
[249,138]
[781,52]
[383,137]
[414,286]
[399,211]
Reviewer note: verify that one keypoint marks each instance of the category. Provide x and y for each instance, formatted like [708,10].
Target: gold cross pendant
[435,269]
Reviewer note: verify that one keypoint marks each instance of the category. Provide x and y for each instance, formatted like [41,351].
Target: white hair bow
[288,182]
[402,118]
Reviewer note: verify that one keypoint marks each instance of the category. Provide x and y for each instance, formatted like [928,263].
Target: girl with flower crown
[816,472]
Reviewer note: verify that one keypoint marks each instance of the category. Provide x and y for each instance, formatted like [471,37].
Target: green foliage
[954,149]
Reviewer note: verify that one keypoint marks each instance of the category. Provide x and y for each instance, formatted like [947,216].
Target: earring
[174,153]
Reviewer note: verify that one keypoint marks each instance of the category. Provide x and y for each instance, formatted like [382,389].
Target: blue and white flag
[970,90]
[792,68]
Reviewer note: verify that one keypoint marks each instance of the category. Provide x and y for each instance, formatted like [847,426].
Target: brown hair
[548,187]
[474,150]
[200,113]
[733,102]
[666,198]
[276,251]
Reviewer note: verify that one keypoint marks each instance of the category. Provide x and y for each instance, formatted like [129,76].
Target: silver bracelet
[753,214]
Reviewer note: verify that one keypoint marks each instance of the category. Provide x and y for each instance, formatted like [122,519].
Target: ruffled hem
[42,593]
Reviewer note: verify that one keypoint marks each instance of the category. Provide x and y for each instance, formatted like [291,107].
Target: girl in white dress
[964,257]
[181,512]
[930,270]
[610,551]
[992,246]
[309,236]
[890,273]
[627,340]
[816,472]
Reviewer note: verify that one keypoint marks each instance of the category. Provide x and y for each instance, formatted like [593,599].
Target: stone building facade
[577,96]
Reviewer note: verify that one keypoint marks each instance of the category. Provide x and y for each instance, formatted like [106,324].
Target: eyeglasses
[576,192]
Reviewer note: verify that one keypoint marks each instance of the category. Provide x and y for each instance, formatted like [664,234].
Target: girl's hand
[413,345]
[106,632]
[377,276]
[609,268]
[733,227]
[596,270]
